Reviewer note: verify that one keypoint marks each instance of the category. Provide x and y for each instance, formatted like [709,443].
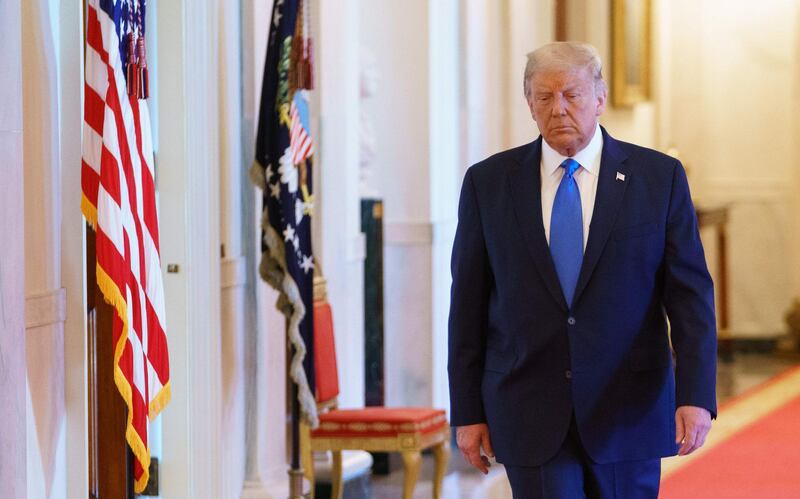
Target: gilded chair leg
[336,475]
[441,456]
[307,455]
[412,460]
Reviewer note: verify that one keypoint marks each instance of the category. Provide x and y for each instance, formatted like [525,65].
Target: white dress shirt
[586,177]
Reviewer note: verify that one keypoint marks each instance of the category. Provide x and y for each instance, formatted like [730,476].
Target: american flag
[299,139]
[118,187]
[282,168]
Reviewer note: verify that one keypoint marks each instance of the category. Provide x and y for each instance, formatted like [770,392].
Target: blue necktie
[566,230]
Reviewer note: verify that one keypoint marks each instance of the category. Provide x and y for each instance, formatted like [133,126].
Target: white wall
[400,111]
[340,245]
[12,259]
[731,115]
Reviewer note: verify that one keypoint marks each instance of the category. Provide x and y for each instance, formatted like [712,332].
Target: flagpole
[296,474]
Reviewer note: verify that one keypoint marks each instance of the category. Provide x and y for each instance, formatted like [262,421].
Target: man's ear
[601,102]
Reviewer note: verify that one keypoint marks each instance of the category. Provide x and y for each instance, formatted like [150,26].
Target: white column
[234,273]
[12,278]
[530,24]
[266,476]
[482,80]
[445,176]
[188,182]
[45,298]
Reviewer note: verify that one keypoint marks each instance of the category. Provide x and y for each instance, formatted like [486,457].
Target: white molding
[72,230]
[46,308]
[408,234]
[233,272]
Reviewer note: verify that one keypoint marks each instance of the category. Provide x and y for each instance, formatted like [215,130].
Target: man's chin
[562,142]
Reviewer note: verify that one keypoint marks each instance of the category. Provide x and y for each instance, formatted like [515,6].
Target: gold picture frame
[631,40]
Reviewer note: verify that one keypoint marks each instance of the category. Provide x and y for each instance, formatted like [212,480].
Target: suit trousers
[571,474]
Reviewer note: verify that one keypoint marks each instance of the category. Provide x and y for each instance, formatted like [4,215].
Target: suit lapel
[525,184]
[608,201]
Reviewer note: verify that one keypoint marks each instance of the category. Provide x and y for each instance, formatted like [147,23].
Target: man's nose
[559,106]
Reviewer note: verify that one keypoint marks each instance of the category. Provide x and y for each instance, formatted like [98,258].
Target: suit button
[571,321]
[568,374]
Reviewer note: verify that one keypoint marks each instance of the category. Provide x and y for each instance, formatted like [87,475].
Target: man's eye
[573,96]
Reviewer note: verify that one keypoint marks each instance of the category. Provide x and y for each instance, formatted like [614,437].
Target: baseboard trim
[767,344]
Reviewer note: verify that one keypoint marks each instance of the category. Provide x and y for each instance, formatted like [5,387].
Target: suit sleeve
[469,299]
[689,302]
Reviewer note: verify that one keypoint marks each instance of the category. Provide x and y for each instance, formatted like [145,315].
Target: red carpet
[761,461]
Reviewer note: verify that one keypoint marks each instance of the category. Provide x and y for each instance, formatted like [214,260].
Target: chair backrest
[325,368]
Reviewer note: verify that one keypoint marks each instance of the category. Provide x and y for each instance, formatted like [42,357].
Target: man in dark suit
[576,260]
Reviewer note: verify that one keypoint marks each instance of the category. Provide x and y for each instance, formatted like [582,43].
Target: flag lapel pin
[620,177]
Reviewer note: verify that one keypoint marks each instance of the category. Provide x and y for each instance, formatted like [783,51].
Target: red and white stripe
[300,143]
[118,184]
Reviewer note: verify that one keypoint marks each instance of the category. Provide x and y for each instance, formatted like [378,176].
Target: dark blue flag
[282,168]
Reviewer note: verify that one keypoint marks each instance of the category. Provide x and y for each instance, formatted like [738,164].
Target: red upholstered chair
[408,430]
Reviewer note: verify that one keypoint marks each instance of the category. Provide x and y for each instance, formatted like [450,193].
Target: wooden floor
[744,373]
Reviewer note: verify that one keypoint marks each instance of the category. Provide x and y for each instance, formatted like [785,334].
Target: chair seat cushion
[379,422]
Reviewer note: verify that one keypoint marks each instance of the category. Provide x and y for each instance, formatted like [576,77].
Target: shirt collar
[588,157]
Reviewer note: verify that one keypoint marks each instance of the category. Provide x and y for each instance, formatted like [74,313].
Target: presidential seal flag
[118,187]
[282,168]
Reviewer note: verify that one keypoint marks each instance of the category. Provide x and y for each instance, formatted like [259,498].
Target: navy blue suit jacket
[522,361]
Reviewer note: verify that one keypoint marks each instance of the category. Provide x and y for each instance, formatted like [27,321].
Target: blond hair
[565,56]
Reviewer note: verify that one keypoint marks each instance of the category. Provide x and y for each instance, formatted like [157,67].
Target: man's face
[565,106]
